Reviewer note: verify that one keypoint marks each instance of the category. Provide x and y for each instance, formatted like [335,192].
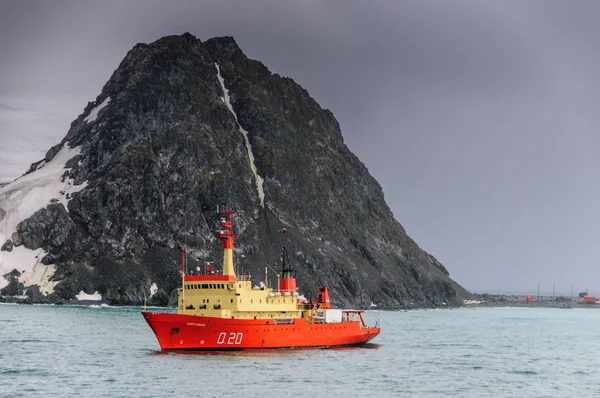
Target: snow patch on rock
[19,200]
[259,180]
[94,112]
[29,264]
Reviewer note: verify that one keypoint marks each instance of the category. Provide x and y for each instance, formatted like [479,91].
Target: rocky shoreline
[477,301]
[53,299]
[56,300]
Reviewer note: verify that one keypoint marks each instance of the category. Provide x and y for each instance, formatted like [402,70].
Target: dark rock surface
[7,246]
[52,152]
[165,151]
[14,287]
[50,227]
[16,239]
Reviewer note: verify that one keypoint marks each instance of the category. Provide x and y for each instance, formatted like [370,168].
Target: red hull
[180,332]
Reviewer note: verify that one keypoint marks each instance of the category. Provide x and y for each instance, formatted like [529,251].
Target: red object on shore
[589,299]
[529,299]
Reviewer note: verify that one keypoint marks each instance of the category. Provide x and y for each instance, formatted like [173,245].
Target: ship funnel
[323,298]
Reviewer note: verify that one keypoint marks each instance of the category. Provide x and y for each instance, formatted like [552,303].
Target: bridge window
[232,300]
[205,286]
[222,286]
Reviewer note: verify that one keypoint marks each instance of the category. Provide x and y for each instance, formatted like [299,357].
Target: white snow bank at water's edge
[94,112]
[89,297]
[20,200]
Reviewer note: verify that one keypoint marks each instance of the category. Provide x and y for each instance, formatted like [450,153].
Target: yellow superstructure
[229,296]
[205,296]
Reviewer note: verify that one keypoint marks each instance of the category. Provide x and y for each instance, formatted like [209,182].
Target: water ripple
[82,351]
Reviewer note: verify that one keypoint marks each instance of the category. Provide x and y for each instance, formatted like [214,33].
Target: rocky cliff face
[181,127]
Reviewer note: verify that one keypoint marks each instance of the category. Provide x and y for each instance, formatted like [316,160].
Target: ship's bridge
[230,296]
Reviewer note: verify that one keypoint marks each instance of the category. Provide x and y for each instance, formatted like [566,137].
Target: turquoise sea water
[493,352]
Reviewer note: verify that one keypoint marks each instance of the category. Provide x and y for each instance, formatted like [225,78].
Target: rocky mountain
[181,127]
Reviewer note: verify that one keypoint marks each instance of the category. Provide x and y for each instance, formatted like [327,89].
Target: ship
[219,310]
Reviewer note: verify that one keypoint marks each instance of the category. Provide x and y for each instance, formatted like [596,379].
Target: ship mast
[183,281]
[227,238]
[287,283]
[286,269]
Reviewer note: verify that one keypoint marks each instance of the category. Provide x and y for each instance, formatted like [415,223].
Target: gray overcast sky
[477,117]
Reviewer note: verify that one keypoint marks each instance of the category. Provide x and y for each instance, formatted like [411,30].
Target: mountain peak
[181,127]
[225,42]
